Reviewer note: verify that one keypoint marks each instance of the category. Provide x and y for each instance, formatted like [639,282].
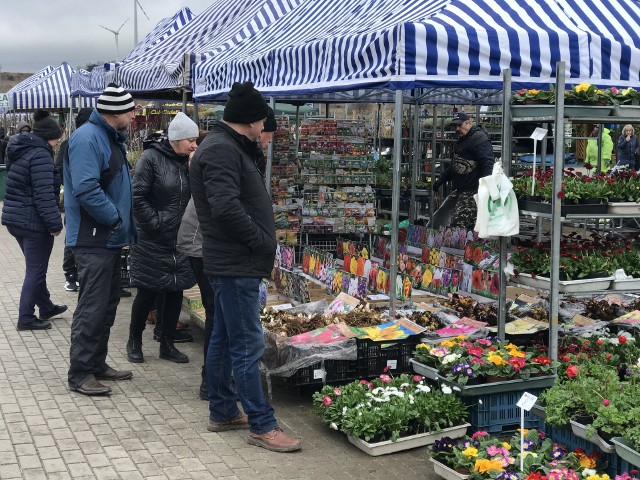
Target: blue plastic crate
[618,466]
[498,412]
[566,437]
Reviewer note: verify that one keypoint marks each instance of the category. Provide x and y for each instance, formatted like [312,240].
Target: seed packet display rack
[557,116]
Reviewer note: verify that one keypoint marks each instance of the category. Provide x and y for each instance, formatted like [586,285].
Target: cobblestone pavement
[153,426]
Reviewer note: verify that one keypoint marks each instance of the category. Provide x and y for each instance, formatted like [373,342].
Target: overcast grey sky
[36,33]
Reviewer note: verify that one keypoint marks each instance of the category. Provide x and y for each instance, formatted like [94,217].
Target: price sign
[539,134]
[527,401]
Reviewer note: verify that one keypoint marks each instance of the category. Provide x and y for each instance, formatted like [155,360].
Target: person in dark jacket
[239,246]
[472,160]
[68,260]
[31,214]
[99,223]
[265,138]
[628,148]
[161,193]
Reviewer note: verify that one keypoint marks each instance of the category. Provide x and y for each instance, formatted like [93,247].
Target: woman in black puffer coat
[161,192]
[31,214]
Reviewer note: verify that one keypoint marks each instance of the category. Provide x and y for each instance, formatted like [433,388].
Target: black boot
[204,392]
[171,353]
[134,349]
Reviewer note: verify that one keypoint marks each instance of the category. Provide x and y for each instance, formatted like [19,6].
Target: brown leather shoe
[92,387]
[239,422]
[151,317]
[181,325]
[275,440]
[113,374]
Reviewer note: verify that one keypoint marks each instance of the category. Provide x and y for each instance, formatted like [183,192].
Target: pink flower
[479,433]
[371,386]
[572,371]
[417,378]
[326,401]
[493,451]
[337,391]
[606,402]
[364,382]
[384,378]
[484,341]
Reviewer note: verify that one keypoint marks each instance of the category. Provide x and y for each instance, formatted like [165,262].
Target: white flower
[457,389]
[404,385]
[333,425]
[344,410]
[368,404]
[446,390]
[422,388]
[359,414]
[377,390]
[587,472]
[452,357]
[411,398]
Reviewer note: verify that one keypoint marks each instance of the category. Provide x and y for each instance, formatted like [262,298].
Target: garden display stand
[405,443]
[626,452]
[580,431]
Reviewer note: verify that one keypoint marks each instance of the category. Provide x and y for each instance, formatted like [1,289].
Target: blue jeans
[36,248]
[237,345]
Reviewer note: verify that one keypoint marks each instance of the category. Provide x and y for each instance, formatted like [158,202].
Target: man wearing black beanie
[239,246]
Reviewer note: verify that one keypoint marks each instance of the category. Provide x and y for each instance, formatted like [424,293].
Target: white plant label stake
[525,403]
[537,135]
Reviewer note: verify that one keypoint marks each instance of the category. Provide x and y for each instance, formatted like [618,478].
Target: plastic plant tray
[626,452]
[628,284]
[624,208]
[486,388]
[406,443]
[580,431]
[565,286]
[446,472]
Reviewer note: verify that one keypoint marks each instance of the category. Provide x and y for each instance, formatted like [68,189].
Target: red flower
[608,356]
[385,378]
[326,401]
[588,166]
[541,360]
[386,369]
[606,402]
[622,339]
[599,342]
[417,378]
[560,194]
[517,363]
[572,371]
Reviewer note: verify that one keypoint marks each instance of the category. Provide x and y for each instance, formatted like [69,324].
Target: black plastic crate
[375,357]
[335,372]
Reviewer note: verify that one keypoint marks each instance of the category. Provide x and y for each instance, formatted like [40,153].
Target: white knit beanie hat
[182,127]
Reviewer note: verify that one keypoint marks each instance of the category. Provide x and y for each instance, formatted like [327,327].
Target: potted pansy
[390,414]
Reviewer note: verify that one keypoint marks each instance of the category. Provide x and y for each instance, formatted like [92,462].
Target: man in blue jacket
[99,222]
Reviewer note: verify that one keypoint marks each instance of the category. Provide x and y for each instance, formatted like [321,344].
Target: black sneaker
[180,337]
[57,310]
[124,293]
[71,286]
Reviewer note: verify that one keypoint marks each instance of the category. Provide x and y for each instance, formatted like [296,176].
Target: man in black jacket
[239,245]
[472,160]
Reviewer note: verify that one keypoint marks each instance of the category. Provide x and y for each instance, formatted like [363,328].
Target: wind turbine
[137,4]
[116,33]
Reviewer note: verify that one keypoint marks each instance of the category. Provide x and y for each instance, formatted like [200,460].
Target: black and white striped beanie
[115,100]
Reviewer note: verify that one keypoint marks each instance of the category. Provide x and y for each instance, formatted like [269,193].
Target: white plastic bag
[498,214]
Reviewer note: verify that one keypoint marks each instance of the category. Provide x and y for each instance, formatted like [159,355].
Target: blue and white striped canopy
[167,64]
[163,30]
[51,90]
[431,43]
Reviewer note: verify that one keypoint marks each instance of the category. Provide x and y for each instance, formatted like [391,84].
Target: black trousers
[169,314]
[206,294]
[98,299]
[69,265]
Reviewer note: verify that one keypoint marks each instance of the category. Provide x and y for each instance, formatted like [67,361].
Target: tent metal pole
[184,100]
[506,166]
[413,210]
[434,151]
[267,172]
[395,201]
[556,206]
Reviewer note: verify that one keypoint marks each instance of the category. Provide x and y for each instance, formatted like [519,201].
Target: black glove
[437,184]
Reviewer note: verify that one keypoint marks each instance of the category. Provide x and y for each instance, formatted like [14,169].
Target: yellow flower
[448,343]
[604,476]
[461,337]
[517,353]
[496,359]
[506,445]
[484,465]
[423,346]
[534,91]
[583,87]
[511,346]
[587,462]
[526,454]
[524,432]
[627,91]
[470,452]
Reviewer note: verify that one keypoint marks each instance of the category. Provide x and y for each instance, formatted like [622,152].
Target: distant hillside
[9,80]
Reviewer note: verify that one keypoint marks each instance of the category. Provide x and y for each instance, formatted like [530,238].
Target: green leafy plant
[388,407]
[525,96]
[585,93]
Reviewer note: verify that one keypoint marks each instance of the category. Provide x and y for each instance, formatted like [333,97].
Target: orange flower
[476,279]
[484,465]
